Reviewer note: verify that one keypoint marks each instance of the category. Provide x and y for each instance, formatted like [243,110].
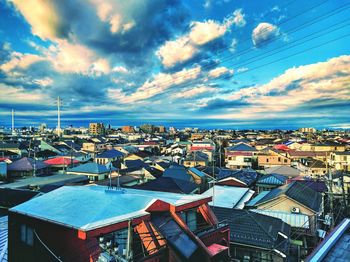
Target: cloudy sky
[206,63]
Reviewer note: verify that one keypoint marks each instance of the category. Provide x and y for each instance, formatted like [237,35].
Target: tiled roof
[335,247]
[247,176]
[249,228]
[168,184]
[298,192]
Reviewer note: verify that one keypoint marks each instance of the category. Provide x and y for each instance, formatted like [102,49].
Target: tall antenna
[58,116]
[13,122]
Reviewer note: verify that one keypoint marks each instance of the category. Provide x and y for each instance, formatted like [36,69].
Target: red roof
[281,147]
[3,159]
[61,161]
[239,153]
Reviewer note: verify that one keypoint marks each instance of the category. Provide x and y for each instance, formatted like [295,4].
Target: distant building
[307,130]
[96,129]
[162,129]
[340,160]
[128,129]
[147,128]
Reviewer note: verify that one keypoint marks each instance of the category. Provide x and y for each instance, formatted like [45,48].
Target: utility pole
[58,116]
[13,122]
[129,253]
[330,193]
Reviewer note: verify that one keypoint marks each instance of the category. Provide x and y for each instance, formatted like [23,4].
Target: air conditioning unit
[295,210]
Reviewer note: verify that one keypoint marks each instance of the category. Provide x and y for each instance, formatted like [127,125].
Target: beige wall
[269,160]
[286,205]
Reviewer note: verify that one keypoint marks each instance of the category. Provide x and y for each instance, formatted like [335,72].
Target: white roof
[90,207]
[229,196]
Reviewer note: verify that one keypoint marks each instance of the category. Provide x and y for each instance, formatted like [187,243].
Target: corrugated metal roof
[294,220]
[229,196]
[197,172]
[90,168]
[273,179]
[3,238]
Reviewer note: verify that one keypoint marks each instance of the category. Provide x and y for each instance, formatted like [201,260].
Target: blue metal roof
[197,172]
[113,153]
[241,147]
[178,172]
[273,179]
[90,168]
[91,207]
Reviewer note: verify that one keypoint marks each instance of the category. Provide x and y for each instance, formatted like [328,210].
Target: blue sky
[211,63]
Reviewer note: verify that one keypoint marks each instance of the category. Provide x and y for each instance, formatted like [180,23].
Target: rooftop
[109,205]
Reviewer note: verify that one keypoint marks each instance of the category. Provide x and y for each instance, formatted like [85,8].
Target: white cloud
[263,33]
[201,33]
[179,50]
[20,61]
[238,18]
[195,91]
[42,16]
[120,69]
[157,85]
[67,57]
[11,94]
[297,86]
[242,69]
[233,45]
[47,81]
[219,71]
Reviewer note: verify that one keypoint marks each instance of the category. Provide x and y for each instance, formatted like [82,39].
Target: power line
[300,27]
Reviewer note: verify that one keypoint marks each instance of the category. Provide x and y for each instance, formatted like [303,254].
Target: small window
[279,159]
[27,235]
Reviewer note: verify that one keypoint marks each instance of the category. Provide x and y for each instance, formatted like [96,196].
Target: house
[295,156]
[296,204]
[240,178]
[108,156]
[340,160]
[286,171]
[196,158]
[255,237]
[200,178]
[91,223]
[240,156]
[229,196]
[61,163]
[270,181]
[27,167]
[312,167]
[335,247]
[272,158]
[93,171]
[178,172]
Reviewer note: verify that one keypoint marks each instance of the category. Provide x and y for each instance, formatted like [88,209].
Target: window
[279,159]
[285,160]
[27,235]
[190,218]
[267,160]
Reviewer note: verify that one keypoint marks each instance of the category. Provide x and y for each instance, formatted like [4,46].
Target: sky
[234,64]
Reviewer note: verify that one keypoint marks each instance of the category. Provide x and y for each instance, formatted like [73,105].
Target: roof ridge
[260,225]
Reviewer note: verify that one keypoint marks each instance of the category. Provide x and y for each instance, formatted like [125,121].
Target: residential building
[92,223]
[287,171]
[239,178]
[93,171]
[27,167]
[270,181]
[108,156]
[256,237]
[96,129]
[272,158]
[340,160]
[147,128]
[307,130]
[128,129]
[312,167]
[240,156]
